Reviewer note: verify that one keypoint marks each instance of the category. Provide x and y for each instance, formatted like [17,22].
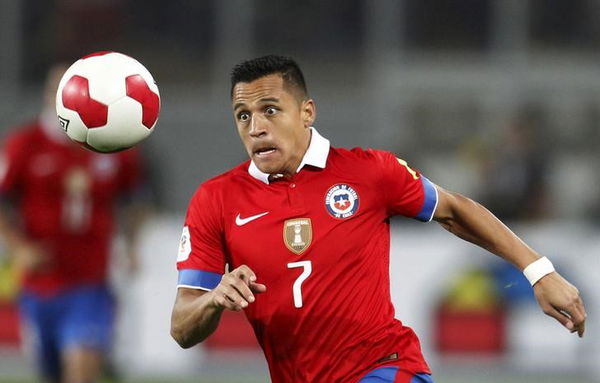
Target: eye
[271,110]
[243,116]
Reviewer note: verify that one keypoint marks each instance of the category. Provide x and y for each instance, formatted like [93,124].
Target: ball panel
[99,53]
[76,96]
[123,130]
[114,68]
[106,74]
[88,147]
[138,89]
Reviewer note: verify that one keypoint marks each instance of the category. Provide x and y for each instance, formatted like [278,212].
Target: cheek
[287,131]
[244,138]
[246,141]
[242,132]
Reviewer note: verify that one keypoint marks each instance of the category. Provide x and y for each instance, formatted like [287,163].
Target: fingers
[257,287]
[560,316]
[236,289]
[247,275]
[561,300]
[229,297]
[575,311]
[581,329]
[244,273]
[570,321]
[578,316]
[573,318]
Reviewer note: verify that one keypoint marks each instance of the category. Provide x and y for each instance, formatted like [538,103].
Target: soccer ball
[107,102]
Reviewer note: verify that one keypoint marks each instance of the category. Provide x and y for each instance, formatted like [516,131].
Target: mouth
[264,151]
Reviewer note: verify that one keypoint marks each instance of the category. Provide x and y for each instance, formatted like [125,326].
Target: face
[273,123]
[52,80]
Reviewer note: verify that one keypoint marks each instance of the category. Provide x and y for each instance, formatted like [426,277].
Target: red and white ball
[107,102]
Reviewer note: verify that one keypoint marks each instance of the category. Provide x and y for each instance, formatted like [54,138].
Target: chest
[54,172]
[324,220]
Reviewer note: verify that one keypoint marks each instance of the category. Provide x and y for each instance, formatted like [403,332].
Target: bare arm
[27,254]
[9,228]
[134,216]
[472,222]
[194,316]
[196,313]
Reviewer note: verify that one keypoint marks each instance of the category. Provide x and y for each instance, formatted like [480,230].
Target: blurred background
[496,99]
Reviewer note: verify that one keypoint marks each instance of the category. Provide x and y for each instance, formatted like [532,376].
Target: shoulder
[227,178]
[372,164]
[217,187]
[209,201]
[357,155]
[21,134]
[22,138]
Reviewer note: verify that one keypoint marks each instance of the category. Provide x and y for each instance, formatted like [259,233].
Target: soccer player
[57,220]
[298,238]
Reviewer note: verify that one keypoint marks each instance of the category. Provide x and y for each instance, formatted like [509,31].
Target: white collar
[316,155]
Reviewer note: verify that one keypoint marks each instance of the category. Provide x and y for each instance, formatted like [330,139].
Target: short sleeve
[407,192]
[201,255]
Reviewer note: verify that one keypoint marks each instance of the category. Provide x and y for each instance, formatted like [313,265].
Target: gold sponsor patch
[297,234]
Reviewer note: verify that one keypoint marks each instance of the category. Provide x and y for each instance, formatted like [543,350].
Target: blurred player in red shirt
[57,220]
[298,238]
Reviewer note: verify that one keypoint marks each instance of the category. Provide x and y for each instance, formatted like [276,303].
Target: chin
[267,168]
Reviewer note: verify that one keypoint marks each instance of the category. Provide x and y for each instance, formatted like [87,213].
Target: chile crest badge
[341,201]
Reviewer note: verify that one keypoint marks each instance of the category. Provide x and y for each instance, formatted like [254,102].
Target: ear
[308,112]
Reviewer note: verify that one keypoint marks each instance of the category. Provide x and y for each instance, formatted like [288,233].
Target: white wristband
[537,269]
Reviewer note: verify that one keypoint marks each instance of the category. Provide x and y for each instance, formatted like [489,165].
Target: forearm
[27,254]
[474,223]
[133,220]
[10,235]
[194,319]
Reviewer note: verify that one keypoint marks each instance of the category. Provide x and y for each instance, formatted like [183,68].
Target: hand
[560,300]
[133,262]
[30,256]
[236,289]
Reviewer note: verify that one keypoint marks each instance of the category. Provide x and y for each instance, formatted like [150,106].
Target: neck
[295,167]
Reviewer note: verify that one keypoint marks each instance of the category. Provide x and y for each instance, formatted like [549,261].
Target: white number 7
[297,288]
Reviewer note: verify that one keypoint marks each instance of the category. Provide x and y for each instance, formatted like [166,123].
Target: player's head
[286,67]
[272,112]
[51,84]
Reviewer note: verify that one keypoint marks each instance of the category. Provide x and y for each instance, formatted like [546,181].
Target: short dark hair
[250,70]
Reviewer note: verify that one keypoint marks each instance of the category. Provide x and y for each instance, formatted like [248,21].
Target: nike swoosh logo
[242,221]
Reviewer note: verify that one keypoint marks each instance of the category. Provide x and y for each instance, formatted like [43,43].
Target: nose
[257,126]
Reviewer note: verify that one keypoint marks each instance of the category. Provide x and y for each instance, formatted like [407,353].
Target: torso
[322,250]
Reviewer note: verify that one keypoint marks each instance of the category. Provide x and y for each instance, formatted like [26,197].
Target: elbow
[190,322]
[452,210]
[182,341]
[181,337]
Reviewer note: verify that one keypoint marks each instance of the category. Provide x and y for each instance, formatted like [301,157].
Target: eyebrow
[262,100]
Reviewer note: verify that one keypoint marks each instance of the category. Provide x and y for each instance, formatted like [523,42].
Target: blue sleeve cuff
[430,203]
[198,279]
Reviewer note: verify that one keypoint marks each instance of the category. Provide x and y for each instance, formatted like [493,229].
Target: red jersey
[320,242]
[65,196]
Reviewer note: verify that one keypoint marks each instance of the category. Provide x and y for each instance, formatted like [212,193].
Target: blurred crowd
[498,99]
